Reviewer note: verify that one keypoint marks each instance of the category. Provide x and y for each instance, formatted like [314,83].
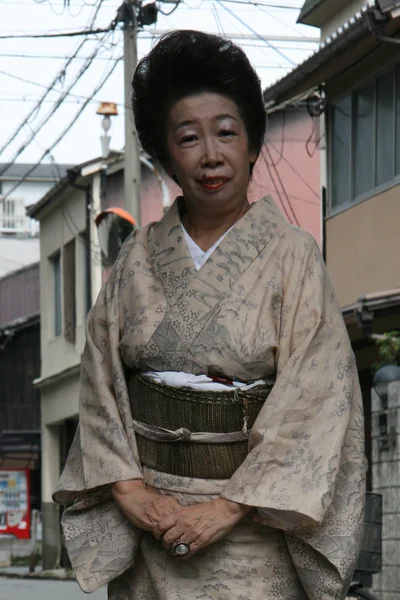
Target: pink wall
[288,168]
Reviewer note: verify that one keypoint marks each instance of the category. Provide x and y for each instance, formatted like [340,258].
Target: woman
[173,496]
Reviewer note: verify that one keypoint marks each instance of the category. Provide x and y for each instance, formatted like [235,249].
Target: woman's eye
[226,133]
[187,139]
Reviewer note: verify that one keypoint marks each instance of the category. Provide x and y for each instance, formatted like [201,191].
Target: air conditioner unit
[389,5]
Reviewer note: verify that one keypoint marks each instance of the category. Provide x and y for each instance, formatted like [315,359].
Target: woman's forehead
[203,106]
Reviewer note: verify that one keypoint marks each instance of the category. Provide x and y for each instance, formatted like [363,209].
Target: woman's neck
[205,229]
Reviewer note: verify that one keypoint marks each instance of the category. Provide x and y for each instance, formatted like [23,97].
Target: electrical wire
[282,138]
[268,12]
[295,220]
[275,186]
[54,108]
[65,131]
[72,95]
[50,87]
[294,170]
[247,2]
[217,19]
[260,37]
[44,36]
[167,14]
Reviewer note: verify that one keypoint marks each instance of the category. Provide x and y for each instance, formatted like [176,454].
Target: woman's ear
[253,157]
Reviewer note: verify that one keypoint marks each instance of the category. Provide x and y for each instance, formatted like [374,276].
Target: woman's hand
[142,506]
[200,525]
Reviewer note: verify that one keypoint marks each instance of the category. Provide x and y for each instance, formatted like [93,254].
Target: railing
[13,218]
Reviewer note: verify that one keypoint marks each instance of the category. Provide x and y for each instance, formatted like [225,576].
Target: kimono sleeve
[305,471]
[101,543]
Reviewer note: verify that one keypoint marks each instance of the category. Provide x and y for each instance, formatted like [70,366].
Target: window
[365,140]
[385,118]
[12,215]
[55,262]
[341,153]
[85,280]
[69,291]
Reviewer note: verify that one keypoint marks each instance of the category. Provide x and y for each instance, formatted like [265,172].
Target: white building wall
[30,191]
[13,219]
[65,222]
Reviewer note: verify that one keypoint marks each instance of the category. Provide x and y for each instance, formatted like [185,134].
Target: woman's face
[208,150]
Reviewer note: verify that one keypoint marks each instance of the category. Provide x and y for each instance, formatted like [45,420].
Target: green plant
[389,349]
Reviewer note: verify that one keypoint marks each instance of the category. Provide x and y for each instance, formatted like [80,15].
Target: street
[25,589]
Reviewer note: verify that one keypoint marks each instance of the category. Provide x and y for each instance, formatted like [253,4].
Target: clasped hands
[198,525]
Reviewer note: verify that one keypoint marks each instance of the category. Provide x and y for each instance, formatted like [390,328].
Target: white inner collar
[198,255]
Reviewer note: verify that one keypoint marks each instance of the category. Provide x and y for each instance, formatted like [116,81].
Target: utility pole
[132,150]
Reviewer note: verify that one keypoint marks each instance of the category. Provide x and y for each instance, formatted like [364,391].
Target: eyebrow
[192,121]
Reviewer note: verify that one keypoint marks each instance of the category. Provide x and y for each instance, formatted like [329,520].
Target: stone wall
[386,481]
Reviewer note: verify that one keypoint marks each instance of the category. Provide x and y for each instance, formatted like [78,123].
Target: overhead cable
[260,37]
[295,219]
[44,36]
[54,108]
[50,87]
[64,132]
[294,170]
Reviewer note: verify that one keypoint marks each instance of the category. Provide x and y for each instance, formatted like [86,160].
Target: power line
[293,169]
[51,86]
[35,83]
[54,108]
[65,131]
[260,37]
[275,186]
[283,188]
[42,36]
[280,6]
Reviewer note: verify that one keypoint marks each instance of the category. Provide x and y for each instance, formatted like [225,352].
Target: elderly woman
[220,448]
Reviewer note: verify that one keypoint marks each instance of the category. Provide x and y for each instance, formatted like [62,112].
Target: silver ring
[181,549]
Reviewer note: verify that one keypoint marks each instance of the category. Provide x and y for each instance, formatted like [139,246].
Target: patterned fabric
[261,306]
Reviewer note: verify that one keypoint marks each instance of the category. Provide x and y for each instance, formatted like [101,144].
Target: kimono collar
[255,229]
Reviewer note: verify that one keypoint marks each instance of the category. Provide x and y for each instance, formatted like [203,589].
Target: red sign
[15,503]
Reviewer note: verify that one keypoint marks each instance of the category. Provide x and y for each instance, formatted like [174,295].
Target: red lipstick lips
[214,183]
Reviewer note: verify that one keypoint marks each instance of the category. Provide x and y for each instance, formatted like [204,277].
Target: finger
[172,536]
[168,522]
[160,510]
[164,525]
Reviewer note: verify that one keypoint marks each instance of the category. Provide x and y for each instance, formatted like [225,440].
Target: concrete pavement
[27,589]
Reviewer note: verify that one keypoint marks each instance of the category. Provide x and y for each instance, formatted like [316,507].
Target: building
[22,184]
[20,403]
[355,76]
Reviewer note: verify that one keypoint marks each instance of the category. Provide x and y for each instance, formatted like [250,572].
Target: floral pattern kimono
[261,306]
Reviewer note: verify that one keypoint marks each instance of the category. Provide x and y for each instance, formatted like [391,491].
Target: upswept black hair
[184,63]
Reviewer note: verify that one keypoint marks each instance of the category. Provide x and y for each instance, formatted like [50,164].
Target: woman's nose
[211,152]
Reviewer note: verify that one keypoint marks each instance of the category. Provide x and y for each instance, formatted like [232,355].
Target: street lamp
[108,110]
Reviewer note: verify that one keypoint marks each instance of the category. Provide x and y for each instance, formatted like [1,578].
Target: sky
[29,66]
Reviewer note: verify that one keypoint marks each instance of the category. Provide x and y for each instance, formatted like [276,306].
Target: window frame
[57,285]
[376,189]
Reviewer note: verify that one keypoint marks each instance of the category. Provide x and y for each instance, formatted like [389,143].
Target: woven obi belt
[200,434]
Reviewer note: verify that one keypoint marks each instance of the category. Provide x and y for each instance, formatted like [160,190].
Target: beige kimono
[261,306]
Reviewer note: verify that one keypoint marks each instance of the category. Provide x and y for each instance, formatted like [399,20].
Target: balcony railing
[13,218]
